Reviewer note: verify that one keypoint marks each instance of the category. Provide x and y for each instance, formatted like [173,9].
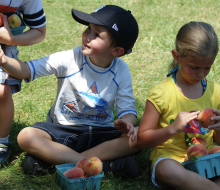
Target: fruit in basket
[93,166]
[196,150]
[214,150]
[1,19]
[186,158]
[74,173]
[204,117]
[80,164]
[199,140]
[14,21]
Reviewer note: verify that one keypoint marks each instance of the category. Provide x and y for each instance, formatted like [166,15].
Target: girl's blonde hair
[196,37]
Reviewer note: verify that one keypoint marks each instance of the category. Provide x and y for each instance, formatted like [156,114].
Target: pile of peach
[85,168]
[198,148]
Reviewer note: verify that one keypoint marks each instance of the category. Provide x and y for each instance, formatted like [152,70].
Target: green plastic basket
[208,166]
[92,182]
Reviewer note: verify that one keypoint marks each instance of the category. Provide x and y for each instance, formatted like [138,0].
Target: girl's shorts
[153,176]
[80,137]
[10,51]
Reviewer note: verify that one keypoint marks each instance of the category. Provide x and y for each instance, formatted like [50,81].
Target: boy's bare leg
[113,149]
[39,143]
[172,174]
[6,110]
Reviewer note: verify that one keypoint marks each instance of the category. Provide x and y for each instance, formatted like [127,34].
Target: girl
[172,104]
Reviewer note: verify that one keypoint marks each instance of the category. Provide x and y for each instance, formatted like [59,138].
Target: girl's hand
[126,127]
[215,126]
[182,119]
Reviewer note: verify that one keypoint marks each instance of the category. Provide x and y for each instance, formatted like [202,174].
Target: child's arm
[14,67]
[148,136]
[30,37]
[126,125]
[216,127]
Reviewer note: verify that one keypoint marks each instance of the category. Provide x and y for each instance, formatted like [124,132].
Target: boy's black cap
[120,23]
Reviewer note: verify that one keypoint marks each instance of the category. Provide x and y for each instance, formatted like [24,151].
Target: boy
[33,16]
[80,123]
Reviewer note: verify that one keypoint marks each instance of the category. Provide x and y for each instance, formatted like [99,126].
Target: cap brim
[84,18]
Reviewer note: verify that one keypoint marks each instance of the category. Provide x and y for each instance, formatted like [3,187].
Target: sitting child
[173,103]
[90,77]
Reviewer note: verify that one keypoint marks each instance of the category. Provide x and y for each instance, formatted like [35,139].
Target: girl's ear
[175,55]
[118,51]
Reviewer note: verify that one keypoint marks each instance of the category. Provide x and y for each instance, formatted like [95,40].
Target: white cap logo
[115,27]
[99,8]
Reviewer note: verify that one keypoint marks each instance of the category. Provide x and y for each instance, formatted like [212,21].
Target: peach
[1,19]
[196,150]
[74,173]
[199,140]
[14,21]
[93,166]
[214,150]
[204,117]
[80,164]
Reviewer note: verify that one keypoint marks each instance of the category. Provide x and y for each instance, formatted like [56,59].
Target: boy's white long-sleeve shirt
[86,93]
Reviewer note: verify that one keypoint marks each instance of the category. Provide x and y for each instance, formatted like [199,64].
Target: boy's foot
[125,167]
[35,166]
[5,150]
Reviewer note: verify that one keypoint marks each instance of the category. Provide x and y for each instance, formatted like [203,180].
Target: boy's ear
[175,55]
[118,51]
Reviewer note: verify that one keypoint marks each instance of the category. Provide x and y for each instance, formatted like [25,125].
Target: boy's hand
[5,33]
[182,119]
[216,126]
[126,127]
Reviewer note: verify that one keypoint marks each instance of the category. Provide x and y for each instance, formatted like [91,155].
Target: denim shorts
[10,51]
[79,138]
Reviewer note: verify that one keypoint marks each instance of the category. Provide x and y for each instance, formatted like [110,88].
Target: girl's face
[193,68]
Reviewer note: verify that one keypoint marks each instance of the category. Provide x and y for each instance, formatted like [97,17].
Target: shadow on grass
[15,129]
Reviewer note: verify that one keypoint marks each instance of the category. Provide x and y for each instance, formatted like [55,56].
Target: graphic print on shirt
[193,127]
[7,8]
[87,106]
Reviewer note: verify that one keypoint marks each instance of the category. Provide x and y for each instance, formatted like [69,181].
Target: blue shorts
[10,51]
[79,138]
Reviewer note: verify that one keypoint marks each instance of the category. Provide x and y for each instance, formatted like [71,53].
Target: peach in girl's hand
[204,117]
[196,150]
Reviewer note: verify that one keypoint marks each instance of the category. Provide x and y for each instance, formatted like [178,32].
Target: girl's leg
[172,174]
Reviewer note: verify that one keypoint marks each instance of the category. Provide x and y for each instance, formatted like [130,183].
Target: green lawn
[159,22]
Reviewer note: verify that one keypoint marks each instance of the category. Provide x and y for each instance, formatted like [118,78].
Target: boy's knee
[25,137]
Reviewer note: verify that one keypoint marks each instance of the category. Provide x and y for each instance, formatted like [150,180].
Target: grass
[159,22]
